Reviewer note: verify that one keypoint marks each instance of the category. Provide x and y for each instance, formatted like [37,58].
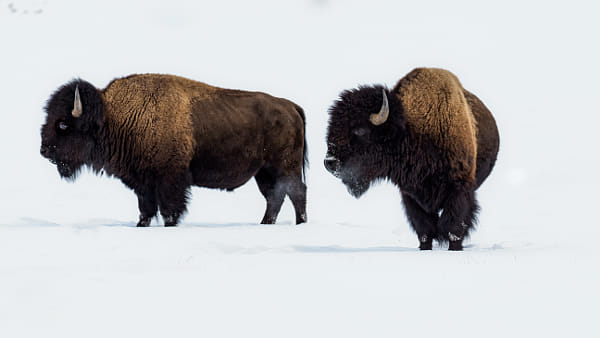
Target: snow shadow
[234,224]
[108,223]
[341,249]
[33,222]
[157,224]
[219,225]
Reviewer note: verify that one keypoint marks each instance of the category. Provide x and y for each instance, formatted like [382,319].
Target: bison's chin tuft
[356,189]
[66,171]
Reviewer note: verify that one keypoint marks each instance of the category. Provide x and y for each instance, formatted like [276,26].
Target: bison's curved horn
[77,107]
[382,116]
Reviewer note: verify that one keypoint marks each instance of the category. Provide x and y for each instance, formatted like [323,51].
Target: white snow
[72,264]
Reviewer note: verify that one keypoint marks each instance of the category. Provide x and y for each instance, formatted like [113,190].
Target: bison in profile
[161,134]
[429,136]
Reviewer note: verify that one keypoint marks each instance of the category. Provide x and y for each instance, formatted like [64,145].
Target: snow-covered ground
[72,264]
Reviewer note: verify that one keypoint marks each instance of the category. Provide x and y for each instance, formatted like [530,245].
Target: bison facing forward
[160,134]
[433,139]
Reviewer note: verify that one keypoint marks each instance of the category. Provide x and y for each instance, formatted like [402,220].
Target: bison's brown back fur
[436,109]
[263,127]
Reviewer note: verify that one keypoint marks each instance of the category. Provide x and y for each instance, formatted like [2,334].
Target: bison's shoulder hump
[151,115]
[434,104]
[149,83]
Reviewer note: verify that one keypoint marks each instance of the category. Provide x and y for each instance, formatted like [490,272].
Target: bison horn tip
[77,106]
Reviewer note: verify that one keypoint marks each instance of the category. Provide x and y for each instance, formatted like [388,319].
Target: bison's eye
[63,126]
[360,131]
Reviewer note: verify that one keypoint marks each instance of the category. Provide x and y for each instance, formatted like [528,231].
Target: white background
[73,265]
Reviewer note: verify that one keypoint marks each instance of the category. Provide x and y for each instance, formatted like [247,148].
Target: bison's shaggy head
[74,116]
[365,126]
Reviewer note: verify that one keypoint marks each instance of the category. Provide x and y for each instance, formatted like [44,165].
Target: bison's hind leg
[296,190]
[274,192]
[423,222]
[274,186]
[458,217]
[173,194]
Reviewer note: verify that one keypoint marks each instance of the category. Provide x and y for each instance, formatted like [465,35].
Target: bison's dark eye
[360,131]
[63,126]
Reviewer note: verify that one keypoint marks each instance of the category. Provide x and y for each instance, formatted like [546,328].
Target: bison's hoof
[455,246]
[425,242]
[426,246]
[144,222]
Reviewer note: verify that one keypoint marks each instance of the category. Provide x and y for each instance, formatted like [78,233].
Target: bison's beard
[66,171]
[356,188]
[355,178]
[356,183]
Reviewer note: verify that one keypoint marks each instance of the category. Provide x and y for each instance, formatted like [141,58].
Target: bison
[429,136]
[161,134]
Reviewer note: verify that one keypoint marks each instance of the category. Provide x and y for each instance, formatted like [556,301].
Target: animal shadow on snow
[341,249]
[116,223]
[229,225]
[298,248]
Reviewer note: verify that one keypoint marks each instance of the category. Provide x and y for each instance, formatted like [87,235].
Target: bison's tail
[305,152]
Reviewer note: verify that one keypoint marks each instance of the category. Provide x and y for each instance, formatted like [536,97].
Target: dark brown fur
[160,134]
[438,145]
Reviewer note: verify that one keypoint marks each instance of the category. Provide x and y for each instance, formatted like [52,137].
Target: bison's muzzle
[47,152]
[355,185]
[332,165]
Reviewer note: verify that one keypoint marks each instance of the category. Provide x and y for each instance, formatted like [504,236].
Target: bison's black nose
[330,164]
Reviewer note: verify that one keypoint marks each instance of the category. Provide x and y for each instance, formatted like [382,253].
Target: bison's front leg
[172,193]
[422,222]
[147,205]
[458,216]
